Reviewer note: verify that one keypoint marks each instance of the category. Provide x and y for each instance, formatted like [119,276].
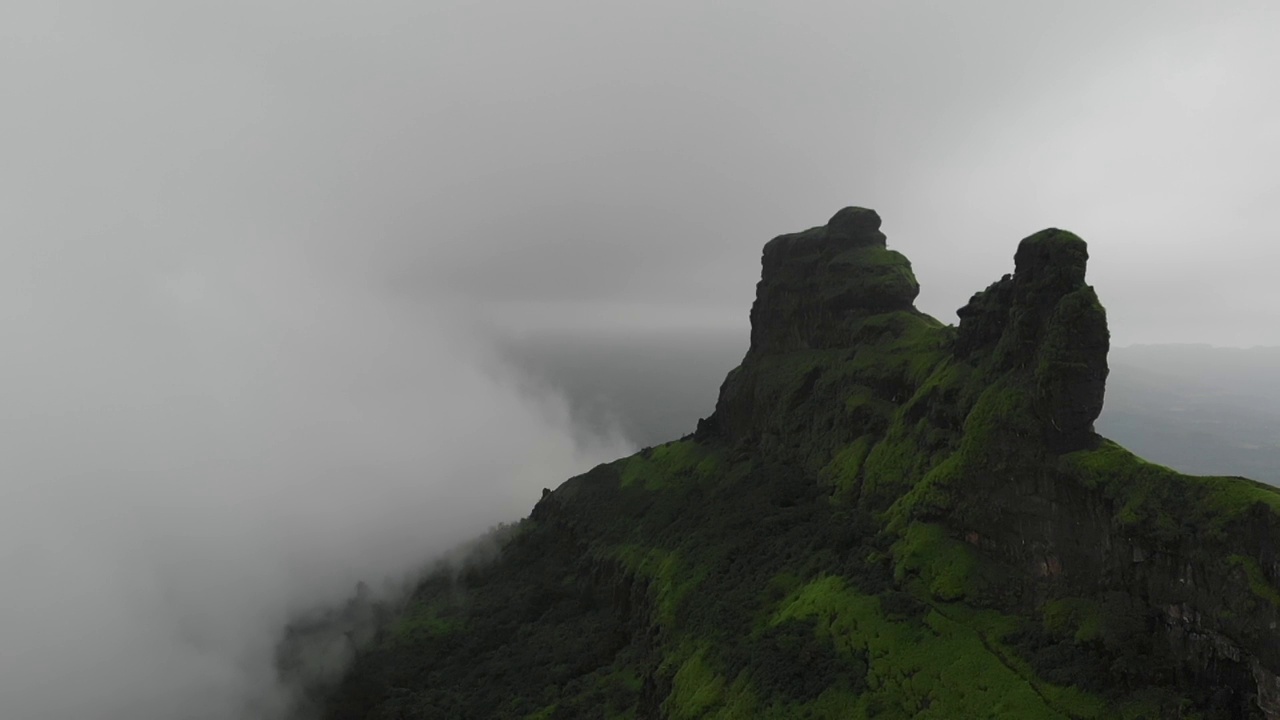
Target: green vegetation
[434,618]
[864,275]
[946,567]
[945,662]
[673,582]
[671,462]
[885,518]
[1079,618]
[1258,582]
[845,469]
[1163,504]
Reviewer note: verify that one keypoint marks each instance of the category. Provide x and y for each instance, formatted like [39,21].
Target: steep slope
[884,517]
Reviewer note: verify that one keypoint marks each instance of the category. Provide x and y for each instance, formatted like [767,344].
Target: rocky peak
[1052,260]
[838,289]
[1046,320]
[1048,266]
[816,283]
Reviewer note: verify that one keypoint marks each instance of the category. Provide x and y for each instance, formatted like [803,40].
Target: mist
[219,408]
[192,457]
[280,281]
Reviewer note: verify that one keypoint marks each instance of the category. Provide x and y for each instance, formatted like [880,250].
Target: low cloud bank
[199,449]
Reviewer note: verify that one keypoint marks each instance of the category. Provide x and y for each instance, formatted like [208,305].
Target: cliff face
[885,516]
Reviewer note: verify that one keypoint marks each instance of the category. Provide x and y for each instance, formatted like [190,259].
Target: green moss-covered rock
[817,284]
[1045,317]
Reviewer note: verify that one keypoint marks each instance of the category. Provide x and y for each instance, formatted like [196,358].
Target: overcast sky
[258,251]
[624,162]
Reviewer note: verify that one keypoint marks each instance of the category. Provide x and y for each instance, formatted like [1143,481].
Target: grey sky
[254,256]
[628,160]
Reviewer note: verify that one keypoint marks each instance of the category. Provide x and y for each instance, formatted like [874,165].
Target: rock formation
[885,516]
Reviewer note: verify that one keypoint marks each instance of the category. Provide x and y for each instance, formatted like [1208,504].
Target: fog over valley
[186,466]
[297,295]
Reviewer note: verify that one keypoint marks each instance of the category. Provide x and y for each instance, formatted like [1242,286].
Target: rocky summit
[885,517]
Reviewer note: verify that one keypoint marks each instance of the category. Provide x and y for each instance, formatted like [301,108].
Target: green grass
[891,468]
[1257,580]
[951,665]
[672,579]
[426,619]
[845,469]
[901,344]
[666,464]
[1163,504]
[872,271]
[946,567]
[995,438]
[696,688]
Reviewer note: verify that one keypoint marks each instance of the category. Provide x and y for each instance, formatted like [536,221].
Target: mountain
[1197,408]
[885,516]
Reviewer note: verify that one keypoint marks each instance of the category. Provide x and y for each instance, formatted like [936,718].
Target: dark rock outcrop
[815,284]
[1044,317]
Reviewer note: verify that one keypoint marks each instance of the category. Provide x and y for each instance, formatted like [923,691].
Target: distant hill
[882,516]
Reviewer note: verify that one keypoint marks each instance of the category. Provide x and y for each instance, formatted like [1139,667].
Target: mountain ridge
[871,482]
